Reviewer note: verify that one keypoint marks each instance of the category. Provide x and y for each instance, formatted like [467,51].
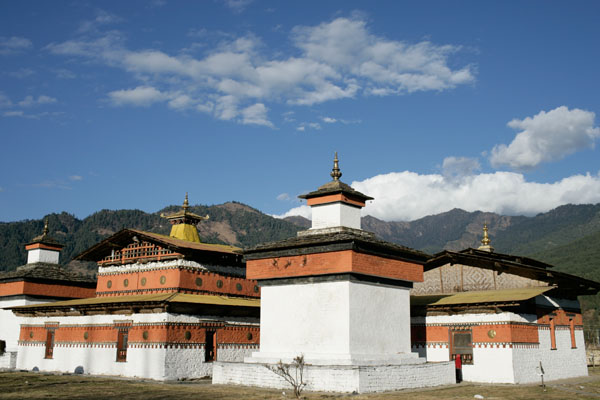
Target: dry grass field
[30,385]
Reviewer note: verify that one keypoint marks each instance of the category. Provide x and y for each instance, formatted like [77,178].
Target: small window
[2,347]
[462,346]
[122,345]
[219,283]
[238,287]
[198,281]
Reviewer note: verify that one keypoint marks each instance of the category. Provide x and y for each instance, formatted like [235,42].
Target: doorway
[210,346]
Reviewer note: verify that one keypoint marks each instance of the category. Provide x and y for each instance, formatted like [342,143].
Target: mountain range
[567,237]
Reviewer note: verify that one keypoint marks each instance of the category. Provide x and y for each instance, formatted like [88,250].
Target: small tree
[294,378]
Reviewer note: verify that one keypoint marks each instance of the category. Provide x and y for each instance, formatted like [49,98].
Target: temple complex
[366,315]
[165,307]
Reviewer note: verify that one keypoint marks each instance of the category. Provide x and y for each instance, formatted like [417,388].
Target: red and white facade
[164,308]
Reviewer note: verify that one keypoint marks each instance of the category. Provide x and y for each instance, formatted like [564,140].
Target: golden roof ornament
[486,239]
[184,223]
[336,174]
[46,230]
[485,242]
[186,203]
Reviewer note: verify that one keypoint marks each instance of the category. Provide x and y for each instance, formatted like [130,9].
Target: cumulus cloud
[256,115]
[14,44]
[333,60]
[140,96]
[458,167]
[547,136]
[406,196]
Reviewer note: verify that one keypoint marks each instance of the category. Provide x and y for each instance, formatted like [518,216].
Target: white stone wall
[490,365]
[43,256]
[235,352]
[161,363]
[335,214]
[337,322]
[519,363]
[8,360]
[10,324]
[340,378]
[147,363]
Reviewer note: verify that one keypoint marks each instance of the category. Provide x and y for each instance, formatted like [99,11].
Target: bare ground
[32,385]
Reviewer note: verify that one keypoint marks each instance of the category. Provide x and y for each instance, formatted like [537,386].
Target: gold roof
[148,298]
[184,223]
[484,296]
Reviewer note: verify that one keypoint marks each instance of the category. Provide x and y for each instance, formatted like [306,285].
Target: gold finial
[46,230]
[186,203]
[486,240]
[336,174]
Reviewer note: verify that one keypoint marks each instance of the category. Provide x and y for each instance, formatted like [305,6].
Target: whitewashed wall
[335,322]
[520,363]
[162,363]
[10,326]
[334,215]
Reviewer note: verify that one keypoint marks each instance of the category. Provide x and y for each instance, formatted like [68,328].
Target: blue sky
[431,105]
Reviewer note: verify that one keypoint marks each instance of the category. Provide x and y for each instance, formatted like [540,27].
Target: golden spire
[486,239]
[46,230]
[186,203]
[336,174]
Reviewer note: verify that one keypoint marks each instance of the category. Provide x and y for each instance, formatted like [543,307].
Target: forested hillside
[231,223]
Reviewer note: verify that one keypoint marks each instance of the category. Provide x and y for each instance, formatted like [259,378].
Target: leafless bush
[294,378]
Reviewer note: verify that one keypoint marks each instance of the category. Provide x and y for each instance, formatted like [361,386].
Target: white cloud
[30,101]
[457,167]
[5,101]
[283,197]
[102,18]
[311,125]
[65,74]
[386,65]
[303,211]
[21,73]
[237,6]
[334,60]
[181,102]
[75,178]
[256,115]
[406,196]
[14,44]
[329,120]
[143,96]
[547,136]
[13,114]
